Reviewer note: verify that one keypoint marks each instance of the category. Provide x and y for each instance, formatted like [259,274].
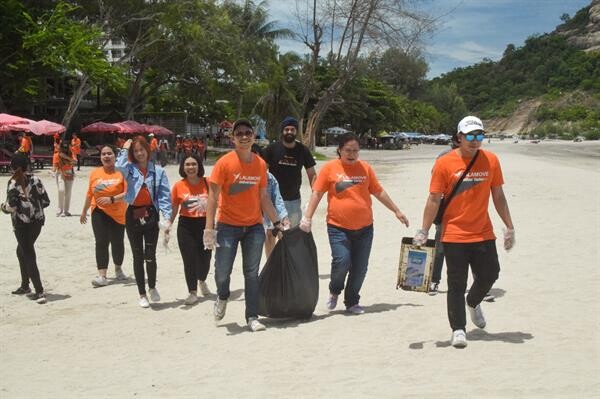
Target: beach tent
[336,130]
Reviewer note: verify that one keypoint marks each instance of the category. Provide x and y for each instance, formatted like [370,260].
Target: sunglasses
[244,133]
[471,137]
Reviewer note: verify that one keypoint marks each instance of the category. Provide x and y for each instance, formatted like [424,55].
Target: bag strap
[462,177]
[207,185]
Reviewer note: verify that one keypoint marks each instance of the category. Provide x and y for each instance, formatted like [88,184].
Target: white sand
[542,338]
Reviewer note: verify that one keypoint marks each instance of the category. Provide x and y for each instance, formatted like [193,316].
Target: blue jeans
[252,239]
[294,212]
[350,250]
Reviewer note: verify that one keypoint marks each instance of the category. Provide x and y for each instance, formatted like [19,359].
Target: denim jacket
[276,199]
[135,179]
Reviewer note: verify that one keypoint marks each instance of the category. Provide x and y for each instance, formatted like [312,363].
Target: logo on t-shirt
[288,161]
[471,179]
[242,183]
[103,184]
[344,182]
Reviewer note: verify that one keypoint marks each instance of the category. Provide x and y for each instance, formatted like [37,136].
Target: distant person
[286,158]
[76,149]
[468,237]
[106,196]
[62,167]
[148,195]
[238,183]
[163,148]
[189,197]
[26,199]
[153,147]
[349,184]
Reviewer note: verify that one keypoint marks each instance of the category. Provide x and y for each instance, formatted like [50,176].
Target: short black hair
[198,159]
[19,160]
[345,138]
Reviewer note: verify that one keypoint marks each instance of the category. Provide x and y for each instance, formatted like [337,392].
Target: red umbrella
[45,128]
[225,124]
[159,130]
[131,127]
[7,119]
[101,127]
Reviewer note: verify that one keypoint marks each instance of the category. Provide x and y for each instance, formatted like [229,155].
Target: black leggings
[26,236]
[196,260]
[143,246]
[107,231]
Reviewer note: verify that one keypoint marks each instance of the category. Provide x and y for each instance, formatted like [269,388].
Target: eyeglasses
[471,137]
[244,133]
[349,151]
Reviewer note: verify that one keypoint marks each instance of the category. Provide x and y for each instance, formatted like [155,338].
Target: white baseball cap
[469,124]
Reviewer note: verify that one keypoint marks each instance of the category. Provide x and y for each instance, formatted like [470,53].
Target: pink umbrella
[159,130]
[131,127]
[101,127]
[7,119]
[45,128]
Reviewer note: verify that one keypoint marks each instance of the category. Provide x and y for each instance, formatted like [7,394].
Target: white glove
[199,206]
[210,239]
[164,225]
[420,237]
[285,223]
[509,239]
[305,224]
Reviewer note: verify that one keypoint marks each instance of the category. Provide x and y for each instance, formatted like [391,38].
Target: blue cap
[288,121]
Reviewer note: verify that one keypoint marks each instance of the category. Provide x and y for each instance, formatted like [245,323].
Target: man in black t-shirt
[286,158]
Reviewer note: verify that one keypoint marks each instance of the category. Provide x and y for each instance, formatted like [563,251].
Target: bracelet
[112,200]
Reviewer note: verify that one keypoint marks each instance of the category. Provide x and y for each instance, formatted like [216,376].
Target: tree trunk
[81,91]
[134,94]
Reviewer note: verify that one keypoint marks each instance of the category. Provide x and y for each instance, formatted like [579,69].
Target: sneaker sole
[98,285]
[459,345]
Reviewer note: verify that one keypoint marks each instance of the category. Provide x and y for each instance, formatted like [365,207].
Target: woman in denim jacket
[147,194]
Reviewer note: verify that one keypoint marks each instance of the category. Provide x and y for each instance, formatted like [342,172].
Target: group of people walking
[247,198]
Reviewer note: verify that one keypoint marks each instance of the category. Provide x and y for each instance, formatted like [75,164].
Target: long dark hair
[345,138]
[198,159]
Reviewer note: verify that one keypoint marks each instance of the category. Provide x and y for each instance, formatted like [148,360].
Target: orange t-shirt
[239,201]
[143,198]
[153,144]
[466,218]
[75,147]
[104,184]
[349,189]
[185,195]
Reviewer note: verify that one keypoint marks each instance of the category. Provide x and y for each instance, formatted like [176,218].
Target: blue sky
[474,29]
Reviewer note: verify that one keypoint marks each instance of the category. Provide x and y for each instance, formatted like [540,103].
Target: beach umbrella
[101,127]
[131,127]
[45,128]
[158,130]
[7,119]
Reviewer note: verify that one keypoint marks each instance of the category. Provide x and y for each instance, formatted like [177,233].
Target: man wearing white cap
[468,235]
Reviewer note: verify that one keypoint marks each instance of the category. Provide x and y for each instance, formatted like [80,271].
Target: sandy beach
[542,337]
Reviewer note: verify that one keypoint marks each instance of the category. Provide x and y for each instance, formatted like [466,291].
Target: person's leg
[457,268]
[204,255]
[294,211]
[26,237]
[22,265]
[68,189]
[252,243]
[188,249]
[136,241]
[60,185]
[360,250]
[438,260]
[340,258]
[485,267]
[228,238]
[117,246]
[101,231]
[150,243]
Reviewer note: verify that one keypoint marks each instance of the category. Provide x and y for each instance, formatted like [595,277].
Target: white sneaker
[154,295]
[331,302]
[191,299]
[119,275]
[41,298]
[477,316]
[100,281]
[144,302]
[356,309]
[204,288]
[219,308]
[459,339]
[433,288]
[255,325]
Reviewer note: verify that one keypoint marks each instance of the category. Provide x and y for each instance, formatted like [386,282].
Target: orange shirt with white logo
[240,182]
[349,188]
[186,195]
[466,218]
[102,184]
[75,147]
[153,144]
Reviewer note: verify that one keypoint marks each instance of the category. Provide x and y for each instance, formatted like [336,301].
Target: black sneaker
[21,291]
[433,288]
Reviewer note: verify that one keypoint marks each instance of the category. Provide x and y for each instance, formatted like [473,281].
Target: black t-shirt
[286,165]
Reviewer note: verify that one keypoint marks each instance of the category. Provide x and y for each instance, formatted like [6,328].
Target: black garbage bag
[289,281]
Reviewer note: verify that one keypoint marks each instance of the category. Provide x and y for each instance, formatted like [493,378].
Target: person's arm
[306,222]
[122,163]
[501,206]
[211,205]
[312,175]
[164,194]
[86,206]
[267,206]
[431,208]
[385,199]
[277,199]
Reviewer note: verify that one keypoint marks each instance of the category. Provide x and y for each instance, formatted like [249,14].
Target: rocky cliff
[586,37]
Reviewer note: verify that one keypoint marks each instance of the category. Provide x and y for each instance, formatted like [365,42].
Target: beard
[289,138]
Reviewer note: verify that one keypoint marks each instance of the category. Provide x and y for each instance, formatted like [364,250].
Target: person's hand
[285,223]
[277,230]
[83,218]
[305,224]
[402,217]
[509,239]
[103,201]
[420,237]
[127,144]
[210,239]
[199,206]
